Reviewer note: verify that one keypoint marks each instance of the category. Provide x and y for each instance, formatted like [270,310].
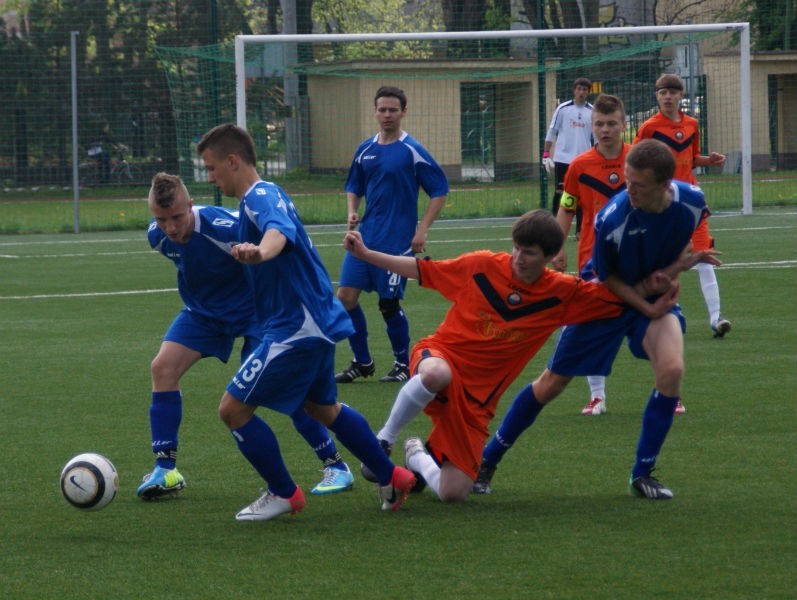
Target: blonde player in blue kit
[219,308]
[645,228]
[388,170]
[301,321]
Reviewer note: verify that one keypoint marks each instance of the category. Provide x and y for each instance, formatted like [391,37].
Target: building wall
[723,77]
[433,111]
[342,110]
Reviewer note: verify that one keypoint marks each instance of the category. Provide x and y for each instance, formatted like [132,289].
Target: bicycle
[110,168]
[123,171]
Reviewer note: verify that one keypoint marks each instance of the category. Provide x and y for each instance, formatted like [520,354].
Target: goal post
[484,122]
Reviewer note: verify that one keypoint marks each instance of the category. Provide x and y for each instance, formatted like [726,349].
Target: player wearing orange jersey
[504,309]
[592,179]
[680,133]
[594,176]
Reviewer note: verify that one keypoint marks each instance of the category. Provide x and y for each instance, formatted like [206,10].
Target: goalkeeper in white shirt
[571,130]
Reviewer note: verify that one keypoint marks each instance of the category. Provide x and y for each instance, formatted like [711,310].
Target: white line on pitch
[89,294]
[780,264]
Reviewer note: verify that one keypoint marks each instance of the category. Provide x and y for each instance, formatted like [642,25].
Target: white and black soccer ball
[89,481]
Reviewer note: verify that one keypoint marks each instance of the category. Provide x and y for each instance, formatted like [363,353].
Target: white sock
[710,289]
[410,401]
[423,463]
[597,386]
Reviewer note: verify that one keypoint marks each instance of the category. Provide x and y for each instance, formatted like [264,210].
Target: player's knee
[454,491]
[164,374]
[435,374]
[452,498]
[348,297]
[549,385]
[389,307]
[234,413]
[323,413]
[669,377]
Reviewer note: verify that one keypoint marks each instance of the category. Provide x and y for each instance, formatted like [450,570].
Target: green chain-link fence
[153,75]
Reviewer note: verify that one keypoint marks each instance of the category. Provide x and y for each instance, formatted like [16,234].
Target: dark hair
[165,188]
[670,81]
[388,91]
[227,139]
[538,227]
[606,104]
[653,155]
[582,81]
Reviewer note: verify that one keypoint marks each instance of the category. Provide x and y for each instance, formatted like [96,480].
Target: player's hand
[353,242]
[715,159]
[657,282]
[418,243]
[353,221]
[247,253]
[548,164]
[665,302]
[559,261]
[701,256]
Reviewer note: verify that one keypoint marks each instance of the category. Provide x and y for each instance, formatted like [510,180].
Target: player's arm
[272,243]
[352,205]
[686,261]
[715,159]
[631,295]
[564,217]
[406,266]
[432,210]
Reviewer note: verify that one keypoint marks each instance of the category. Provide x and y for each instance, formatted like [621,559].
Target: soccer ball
[89,481]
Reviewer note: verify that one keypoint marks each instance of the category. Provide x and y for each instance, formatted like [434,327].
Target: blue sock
[359,339]
[398,331]
[165,414]
[259,445]
[353,432]
[519,417]
[656,422]
[317,436]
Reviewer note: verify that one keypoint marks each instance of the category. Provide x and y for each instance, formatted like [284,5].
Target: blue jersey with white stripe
[390,177]
[210,281]
[632,244]
[293,293]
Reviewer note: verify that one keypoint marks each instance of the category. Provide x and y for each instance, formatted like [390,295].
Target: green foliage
[774,23]
[363,16]
[86,314]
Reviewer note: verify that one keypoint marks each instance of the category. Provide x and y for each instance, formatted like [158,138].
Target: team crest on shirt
[513,299]
[614,178]
[679,135]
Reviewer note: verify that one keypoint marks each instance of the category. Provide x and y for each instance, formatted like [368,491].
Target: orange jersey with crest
[682,137]
[495,326]
[592,180]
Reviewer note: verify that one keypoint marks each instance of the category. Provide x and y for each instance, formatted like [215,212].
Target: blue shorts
[590,348]
[281,377]
[360,275]
[211,337]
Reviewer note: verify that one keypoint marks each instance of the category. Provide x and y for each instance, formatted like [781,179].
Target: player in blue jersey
[219,307]
[301,320]
[645,228]
[388,170]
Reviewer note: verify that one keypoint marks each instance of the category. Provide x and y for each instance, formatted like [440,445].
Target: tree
[364,16]
[774,23]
